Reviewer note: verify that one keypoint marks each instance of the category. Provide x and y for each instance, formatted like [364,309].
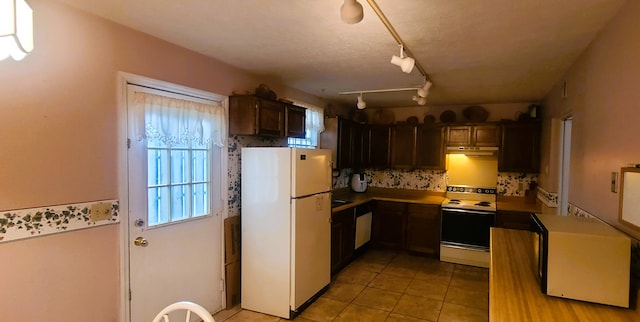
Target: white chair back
[190,307]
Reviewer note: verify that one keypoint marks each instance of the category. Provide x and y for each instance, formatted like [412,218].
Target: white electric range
[468,213]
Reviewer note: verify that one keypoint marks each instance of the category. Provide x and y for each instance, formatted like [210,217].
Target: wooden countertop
[514,292]
[387,194]
[524,204]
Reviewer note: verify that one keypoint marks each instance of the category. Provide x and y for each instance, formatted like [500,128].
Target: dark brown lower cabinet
[388,224]
[343,232]
[423,228]
[513,219]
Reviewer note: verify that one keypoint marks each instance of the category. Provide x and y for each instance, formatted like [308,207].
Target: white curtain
[177,121]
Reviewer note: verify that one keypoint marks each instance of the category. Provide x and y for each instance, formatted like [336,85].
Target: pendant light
[351,11]
[16,29]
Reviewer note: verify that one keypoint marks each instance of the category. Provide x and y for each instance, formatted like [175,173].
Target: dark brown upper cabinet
[520,148]
[379,142]
[296,118]
[473,135]
[253,115]
[338,137]
[430,147]
[403,146]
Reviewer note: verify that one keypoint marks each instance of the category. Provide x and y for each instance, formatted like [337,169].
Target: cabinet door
[342,238]
[388,224]
[513,219]
[520,150]
[337,138]
[430,147]
[296,117]
[242,115]
[359,150]
[270,118]
[379,146]
[403,146]
[345,144]
[459,135]
[486,135]
[423,228]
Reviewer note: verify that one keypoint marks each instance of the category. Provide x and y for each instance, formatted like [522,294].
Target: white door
[174,225]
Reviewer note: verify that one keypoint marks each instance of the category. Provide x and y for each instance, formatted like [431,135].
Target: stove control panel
[467,189]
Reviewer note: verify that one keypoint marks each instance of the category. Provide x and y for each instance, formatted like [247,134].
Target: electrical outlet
[100,211]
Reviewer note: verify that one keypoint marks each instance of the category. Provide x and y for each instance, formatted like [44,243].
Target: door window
[179,133]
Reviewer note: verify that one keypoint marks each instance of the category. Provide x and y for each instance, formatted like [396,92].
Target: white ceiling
[489,51]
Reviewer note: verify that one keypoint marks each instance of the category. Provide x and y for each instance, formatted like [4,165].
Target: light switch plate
[100,211]
[614,182]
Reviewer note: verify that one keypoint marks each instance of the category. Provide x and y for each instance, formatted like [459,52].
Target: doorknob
[140,241]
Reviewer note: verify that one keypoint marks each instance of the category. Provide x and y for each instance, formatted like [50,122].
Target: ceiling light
[361,103]
[424,90]
[16,29]
[351,11]
[420,100]
[405,63]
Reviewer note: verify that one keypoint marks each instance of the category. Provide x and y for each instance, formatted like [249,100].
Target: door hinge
[128,143]
[129,295]
[221,284]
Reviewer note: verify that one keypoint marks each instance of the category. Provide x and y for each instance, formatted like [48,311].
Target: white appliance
[582,259]
[468,214]
[359,182]
[364,215]
[286,230]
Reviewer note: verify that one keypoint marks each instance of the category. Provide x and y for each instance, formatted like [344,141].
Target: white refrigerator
[286,229]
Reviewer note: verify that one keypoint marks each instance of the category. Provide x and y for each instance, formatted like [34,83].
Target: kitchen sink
[339,202]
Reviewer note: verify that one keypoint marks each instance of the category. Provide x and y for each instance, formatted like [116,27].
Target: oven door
[466,228]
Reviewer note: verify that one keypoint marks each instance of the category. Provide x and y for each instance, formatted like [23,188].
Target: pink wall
[58,146]
[603,98]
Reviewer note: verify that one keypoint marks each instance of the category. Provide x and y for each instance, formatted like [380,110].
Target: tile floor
[392,286]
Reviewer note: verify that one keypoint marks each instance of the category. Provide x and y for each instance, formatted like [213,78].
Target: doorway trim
[123,79]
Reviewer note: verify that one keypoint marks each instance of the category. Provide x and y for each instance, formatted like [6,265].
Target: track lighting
[420,100]
[424,90]
[361,103]
[351,11]
[16,29]
[405,63]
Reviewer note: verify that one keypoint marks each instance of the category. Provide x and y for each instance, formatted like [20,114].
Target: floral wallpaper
[34,222]
[235,145]
[508,184]
[548,198]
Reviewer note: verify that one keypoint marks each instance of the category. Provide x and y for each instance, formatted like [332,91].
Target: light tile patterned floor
[392,286]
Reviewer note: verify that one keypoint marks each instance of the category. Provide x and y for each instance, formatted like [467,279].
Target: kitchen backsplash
[508,184]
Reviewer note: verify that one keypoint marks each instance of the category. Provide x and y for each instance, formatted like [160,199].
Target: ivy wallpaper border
[42,221]
[548,198]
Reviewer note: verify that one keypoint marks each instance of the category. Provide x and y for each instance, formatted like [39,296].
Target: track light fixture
[361,103]
[424,90]
[351,11]
[405,63]
[420,100]
[16,29]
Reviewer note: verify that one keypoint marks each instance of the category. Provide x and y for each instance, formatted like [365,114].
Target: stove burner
[454,201]
[483,204]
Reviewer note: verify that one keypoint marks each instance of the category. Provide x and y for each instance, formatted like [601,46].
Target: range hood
[480,150]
